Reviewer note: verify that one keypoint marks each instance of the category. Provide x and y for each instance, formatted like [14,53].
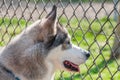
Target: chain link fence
[91,24]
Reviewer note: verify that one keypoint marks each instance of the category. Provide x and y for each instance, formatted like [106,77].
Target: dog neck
[51,71]
[53,76]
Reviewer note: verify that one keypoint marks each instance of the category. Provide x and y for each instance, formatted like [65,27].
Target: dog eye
[66,45]
[68,42]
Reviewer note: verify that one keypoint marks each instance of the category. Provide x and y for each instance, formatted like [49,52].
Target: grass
[94,35]
[10,28]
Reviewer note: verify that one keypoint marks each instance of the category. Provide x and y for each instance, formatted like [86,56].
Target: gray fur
[25,54]
[39,50]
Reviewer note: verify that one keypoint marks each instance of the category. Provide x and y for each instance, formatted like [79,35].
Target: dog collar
[9,72]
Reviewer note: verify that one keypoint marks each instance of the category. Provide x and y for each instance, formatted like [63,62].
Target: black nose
[88,55]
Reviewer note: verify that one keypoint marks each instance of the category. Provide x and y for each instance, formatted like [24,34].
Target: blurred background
[93,25]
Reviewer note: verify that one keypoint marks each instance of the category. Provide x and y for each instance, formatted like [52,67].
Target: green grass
[94,35]
[10,28]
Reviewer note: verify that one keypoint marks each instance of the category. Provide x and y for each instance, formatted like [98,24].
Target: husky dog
[39,50]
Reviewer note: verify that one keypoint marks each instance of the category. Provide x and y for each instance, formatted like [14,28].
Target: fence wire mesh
[91,25]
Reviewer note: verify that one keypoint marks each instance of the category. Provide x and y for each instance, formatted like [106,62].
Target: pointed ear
[53,14]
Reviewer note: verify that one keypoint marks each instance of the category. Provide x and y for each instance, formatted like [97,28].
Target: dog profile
[39,50]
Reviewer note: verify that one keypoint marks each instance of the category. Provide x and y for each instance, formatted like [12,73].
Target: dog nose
[88,54]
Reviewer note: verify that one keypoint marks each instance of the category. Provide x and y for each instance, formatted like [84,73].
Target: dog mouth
[71,66]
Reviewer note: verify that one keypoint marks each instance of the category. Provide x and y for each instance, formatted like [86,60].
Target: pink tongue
[73,66]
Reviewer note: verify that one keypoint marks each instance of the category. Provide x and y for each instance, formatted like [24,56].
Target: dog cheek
[73,56]
[64,56]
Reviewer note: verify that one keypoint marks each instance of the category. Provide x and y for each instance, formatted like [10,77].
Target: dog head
[61,52]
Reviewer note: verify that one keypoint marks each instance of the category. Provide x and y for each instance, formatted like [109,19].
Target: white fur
[50,74]
[74,54]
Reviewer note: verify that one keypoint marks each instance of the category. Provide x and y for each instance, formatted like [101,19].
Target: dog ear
[50,25]
[53,14]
